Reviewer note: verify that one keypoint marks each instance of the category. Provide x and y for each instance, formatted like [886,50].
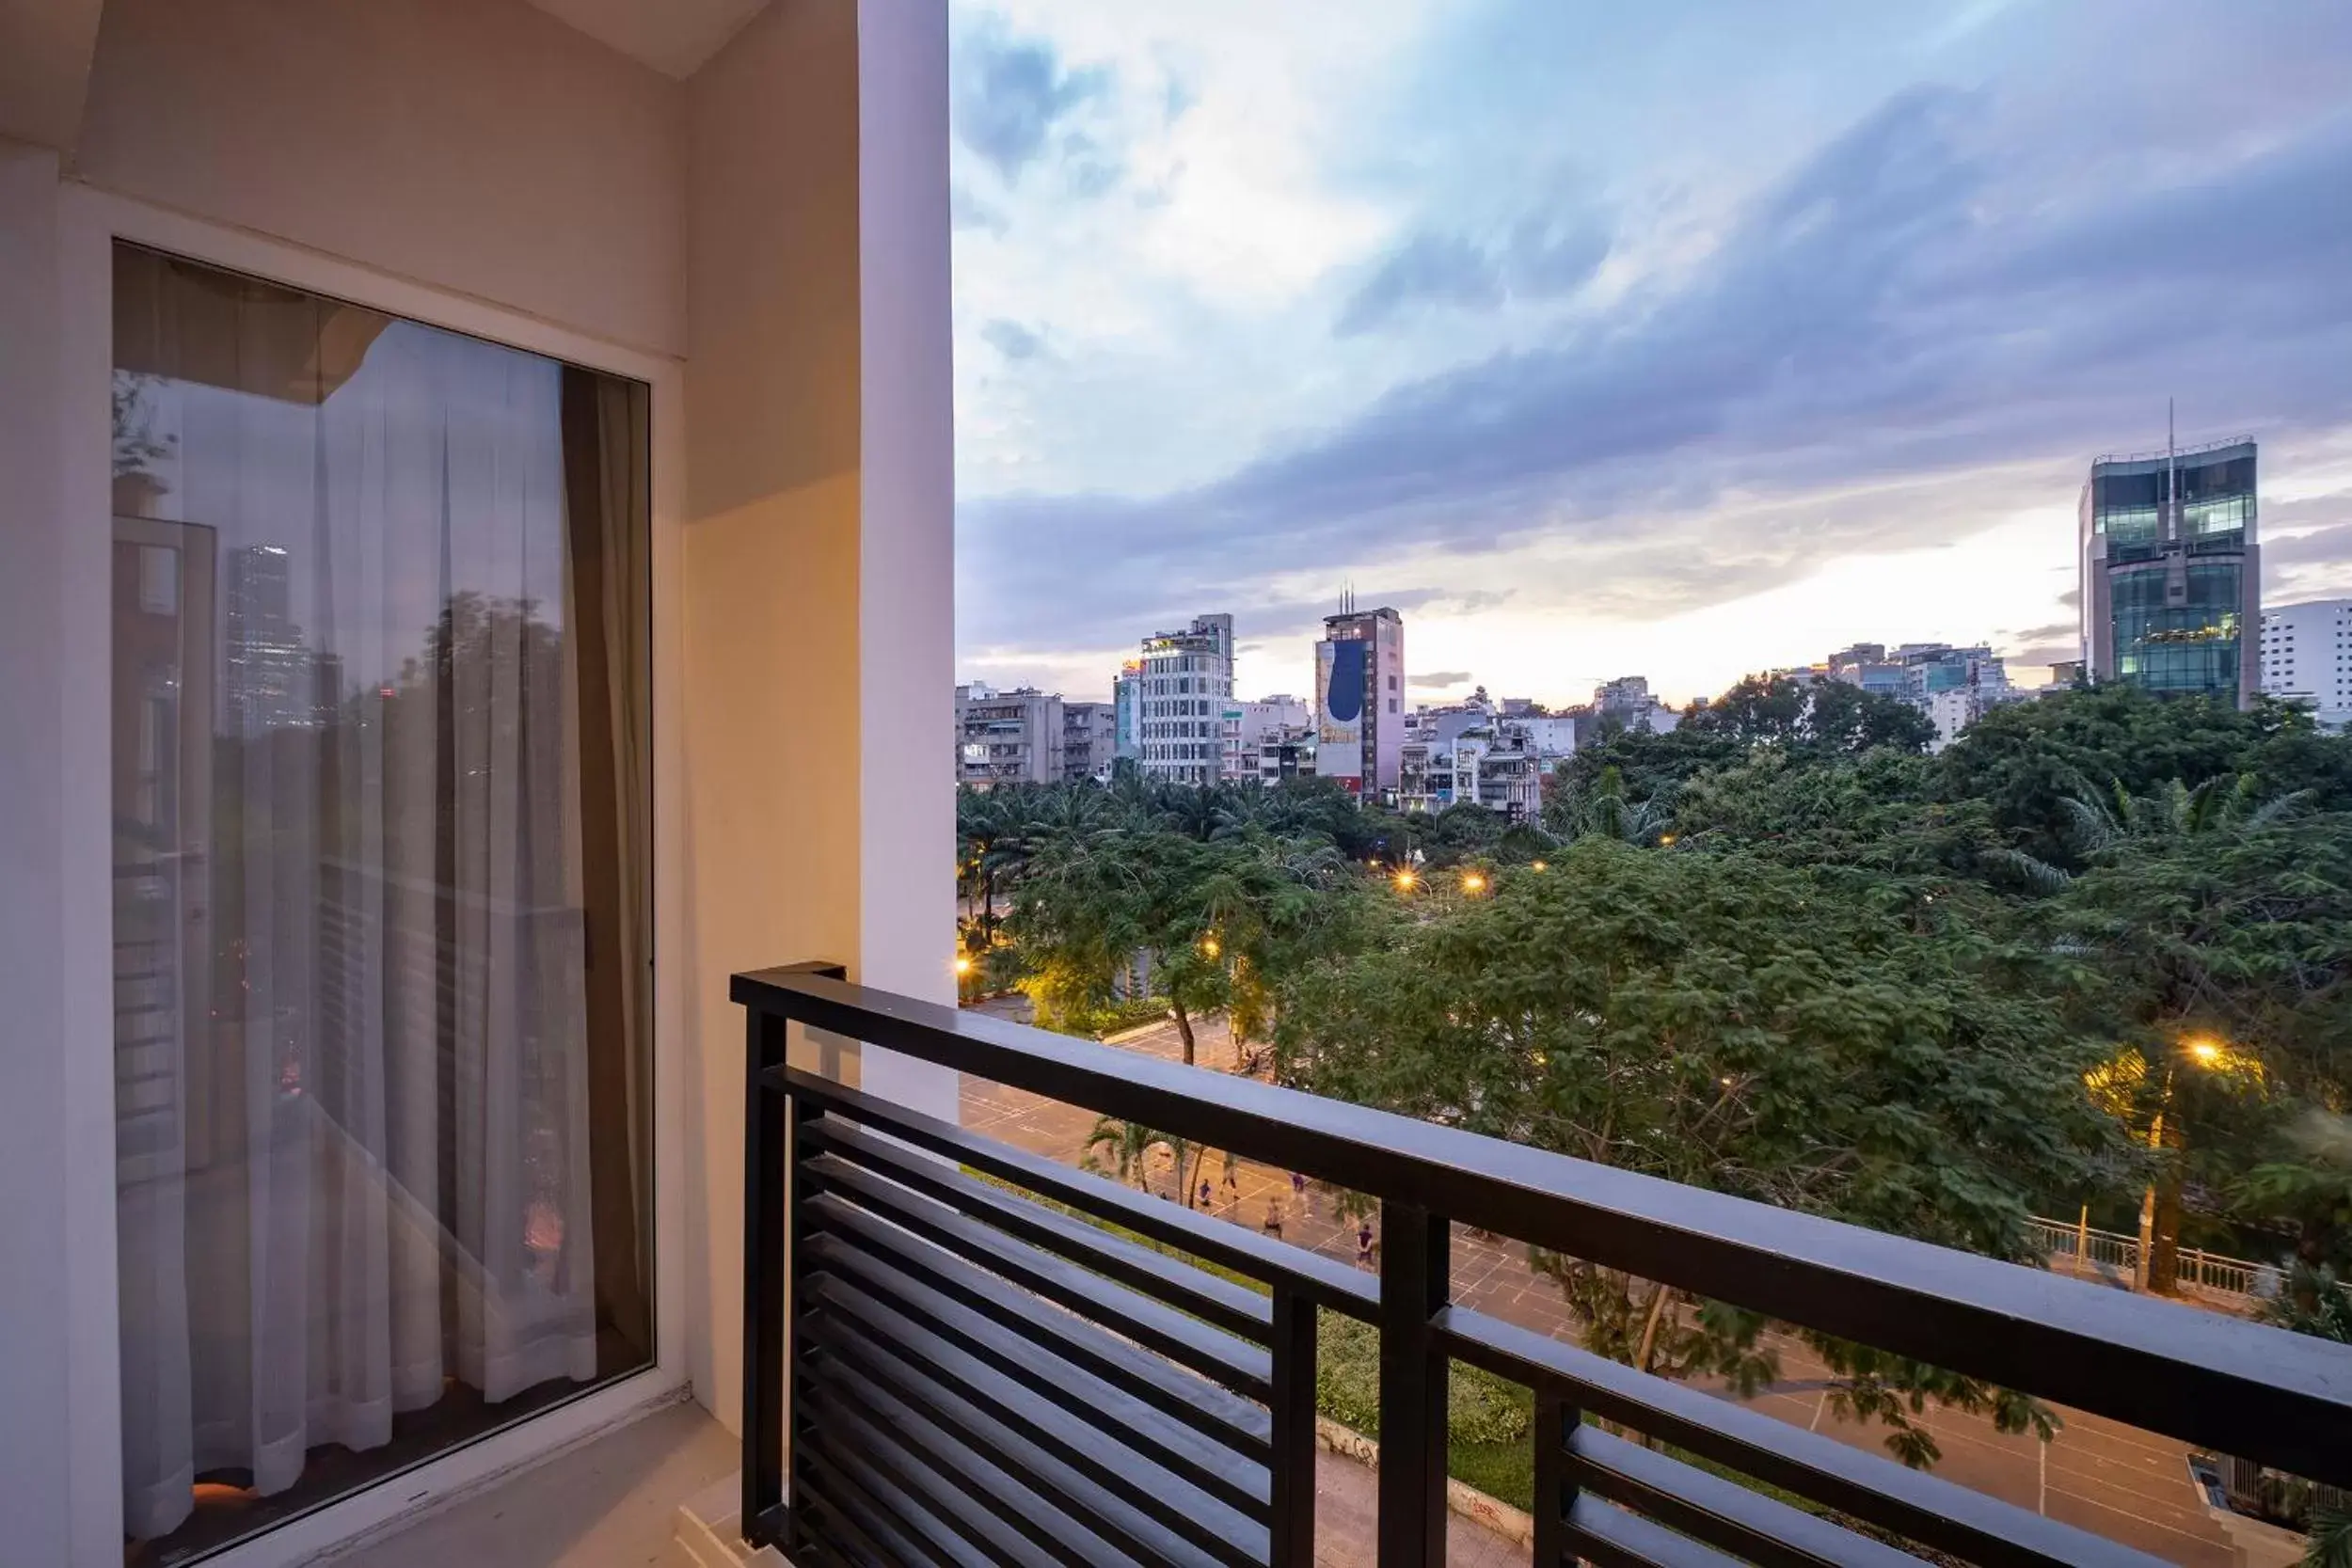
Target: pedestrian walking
[1363,1245]
[1274,1217]
[1204,1192]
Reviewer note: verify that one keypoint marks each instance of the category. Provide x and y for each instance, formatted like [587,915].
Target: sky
[1683,340]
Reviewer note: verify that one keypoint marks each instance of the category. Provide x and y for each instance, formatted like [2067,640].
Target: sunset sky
[1680,340]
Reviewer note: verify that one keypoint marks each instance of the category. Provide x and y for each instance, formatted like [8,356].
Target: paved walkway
[2126,1484]
[1347,1523]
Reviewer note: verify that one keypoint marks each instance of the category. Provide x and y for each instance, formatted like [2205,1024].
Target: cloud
[2040,645]
[1881,316]
[966,211]
[1012,93]
[1543,256]
[1438,680]
[2324,545]
[1014,341]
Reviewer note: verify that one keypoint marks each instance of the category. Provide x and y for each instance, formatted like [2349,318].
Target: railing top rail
[2241,1388]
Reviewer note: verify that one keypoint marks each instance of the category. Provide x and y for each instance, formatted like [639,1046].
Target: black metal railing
[974,1355]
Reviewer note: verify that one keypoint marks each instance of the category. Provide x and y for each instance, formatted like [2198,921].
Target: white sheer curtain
[361,1168]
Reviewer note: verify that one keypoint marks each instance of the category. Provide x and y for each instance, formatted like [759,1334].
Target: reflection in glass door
[379,790]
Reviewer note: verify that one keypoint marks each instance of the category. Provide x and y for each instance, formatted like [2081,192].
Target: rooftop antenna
[2172,461]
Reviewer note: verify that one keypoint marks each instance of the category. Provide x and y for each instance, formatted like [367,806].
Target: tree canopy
[2096,952]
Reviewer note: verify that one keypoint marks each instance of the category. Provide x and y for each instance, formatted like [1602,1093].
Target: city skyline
[1469,305]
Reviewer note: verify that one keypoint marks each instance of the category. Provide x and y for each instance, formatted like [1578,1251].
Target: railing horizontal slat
[1609,1537]
[1095,1449]
[1909,1503]
[911,1485]
[1234,1362]
[1747,1524]
[1168,1280]
[1217,1469]
[1324,1281]
[1206,1407]
[1040,1495]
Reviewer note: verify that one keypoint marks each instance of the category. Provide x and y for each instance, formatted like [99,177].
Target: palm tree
[2105,825]
[1603,811]
[2330,1545]
[1130,1145]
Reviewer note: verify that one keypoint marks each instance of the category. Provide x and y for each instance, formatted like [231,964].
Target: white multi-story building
[1186,684]
[2307,658]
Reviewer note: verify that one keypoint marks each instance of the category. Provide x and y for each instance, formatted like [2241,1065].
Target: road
[2129,1485]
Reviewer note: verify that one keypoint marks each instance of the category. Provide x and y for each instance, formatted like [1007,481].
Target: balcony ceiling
[675,37]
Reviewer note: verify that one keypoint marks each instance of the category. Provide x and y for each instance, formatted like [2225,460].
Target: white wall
[33,1124]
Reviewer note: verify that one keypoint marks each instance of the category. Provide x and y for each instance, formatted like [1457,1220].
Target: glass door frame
[90,222]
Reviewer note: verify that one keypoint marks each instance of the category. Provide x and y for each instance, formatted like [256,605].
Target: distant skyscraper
[1187,679]
[2171,577]
[1360,700]
[271,683]
[1127,709]
[2307,658]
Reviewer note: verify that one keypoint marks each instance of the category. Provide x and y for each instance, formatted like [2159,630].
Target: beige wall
[735,225]
[771,571]
[818,551]
[477,144]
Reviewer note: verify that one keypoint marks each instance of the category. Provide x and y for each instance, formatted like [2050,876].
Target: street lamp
[2204,1050]
[1538,865]
[1472,883]
[964,965]
[1404,880]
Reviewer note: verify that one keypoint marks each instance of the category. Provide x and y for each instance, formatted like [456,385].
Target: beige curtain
[607,486]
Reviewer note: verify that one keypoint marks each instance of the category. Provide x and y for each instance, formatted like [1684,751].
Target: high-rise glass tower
[2171,579]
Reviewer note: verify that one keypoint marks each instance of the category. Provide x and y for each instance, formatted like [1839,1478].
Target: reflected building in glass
[2171,579]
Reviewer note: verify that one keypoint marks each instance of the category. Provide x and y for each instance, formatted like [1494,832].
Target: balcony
[959,1352]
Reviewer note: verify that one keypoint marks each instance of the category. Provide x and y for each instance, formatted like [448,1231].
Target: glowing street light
[964,965]
[1404,880]
[1473,883]
[2204,1050]
[1209,947]
[1538,865]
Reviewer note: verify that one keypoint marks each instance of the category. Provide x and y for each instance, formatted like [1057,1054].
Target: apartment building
[1016,736]
[2306,658]
[1249,728]
[1090,740]
[1184,686]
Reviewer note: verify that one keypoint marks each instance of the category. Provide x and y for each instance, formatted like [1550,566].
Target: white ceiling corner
[675,37]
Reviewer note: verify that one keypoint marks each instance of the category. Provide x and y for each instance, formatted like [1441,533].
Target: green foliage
[2313,1302]
[1823,717]
[2025,761]
[2102,941]
[2330,1545]
[1480,1408]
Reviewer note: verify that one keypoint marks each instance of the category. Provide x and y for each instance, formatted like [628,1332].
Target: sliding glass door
[380,794]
